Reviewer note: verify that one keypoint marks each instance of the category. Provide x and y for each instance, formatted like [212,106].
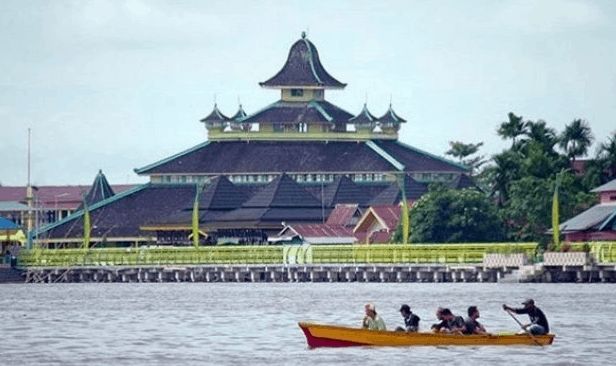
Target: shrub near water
[454,216]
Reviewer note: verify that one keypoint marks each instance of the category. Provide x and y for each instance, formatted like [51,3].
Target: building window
[278,127]
[297,92]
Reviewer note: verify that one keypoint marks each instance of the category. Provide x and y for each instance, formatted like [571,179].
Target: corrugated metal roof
[588,219]
[12,206]
[609,186]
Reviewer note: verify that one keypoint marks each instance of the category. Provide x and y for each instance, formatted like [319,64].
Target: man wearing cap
[372,320]
[411,321]
[538,322]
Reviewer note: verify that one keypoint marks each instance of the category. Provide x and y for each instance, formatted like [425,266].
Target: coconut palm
[541,133]
[512,129]
[607,156]
[576,139]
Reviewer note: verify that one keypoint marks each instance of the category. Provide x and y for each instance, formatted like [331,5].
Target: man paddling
[450,323]
[372,320]
[472,326]
[538,322]
[411,321]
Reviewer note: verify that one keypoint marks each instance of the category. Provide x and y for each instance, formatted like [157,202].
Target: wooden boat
[321,335]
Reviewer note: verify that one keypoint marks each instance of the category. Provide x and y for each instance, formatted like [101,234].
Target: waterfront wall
[321,273]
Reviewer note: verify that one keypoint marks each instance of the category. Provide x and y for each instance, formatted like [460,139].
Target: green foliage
[527,214]
[447,216]
[576,139]
[464,152]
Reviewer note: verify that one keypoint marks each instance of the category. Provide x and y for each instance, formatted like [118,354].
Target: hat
[405,308]
[528,302]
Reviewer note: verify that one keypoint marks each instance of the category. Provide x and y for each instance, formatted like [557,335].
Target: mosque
[292,161]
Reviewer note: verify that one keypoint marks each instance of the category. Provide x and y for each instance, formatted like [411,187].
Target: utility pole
[29,197]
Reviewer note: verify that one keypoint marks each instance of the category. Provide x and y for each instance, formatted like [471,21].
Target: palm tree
[539,132]
[607,156]
[576,139]
[513,128]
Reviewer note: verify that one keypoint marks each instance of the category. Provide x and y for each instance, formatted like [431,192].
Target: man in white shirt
[372,320]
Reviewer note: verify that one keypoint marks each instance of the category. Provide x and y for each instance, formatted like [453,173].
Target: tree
[446,215]
[505,169]
[540,133]
[463,152]
[607,156]
[512,128]
[576,139]
[527,215]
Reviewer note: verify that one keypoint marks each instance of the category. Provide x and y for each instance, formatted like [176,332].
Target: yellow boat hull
[320,335]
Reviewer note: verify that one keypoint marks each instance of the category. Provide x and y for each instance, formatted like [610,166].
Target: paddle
[523,328]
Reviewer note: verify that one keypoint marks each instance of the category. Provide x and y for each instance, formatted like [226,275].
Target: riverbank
[538,273]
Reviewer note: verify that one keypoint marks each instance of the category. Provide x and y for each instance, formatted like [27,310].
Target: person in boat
[439,317]
[472,326]
[372,320]
[450,323]
[538,322]
[411,321]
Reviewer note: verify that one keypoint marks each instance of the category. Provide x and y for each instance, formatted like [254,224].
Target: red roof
[322,230]
[52,197]
[342,215]
[390,215]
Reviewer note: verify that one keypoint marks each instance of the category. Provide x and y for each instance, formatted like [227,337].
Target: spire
[303,68]
[364,117]
[239,114]
[100,189]
[391,117]
[215,116]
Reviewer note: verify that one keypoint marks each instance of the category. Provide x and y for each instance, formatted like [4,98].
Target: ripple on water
[230,324]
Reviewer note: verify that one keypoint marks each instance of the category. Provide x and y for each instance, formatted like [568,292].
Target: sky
[117,85]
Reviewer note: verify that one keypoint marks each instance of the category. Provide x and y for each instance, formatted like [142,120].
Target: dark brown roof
[221,194]
[282,192]
[215,116]
[100,190]
[316,111]
[393,195]
[364,117]
[303,68]
[272,156]
[415,160]
[123,214]
[344,190]
[391,117]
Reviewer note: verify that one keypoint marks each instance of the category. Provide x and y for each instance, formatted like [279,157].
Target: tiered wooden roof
[303,68]
[299,157]
[314,111]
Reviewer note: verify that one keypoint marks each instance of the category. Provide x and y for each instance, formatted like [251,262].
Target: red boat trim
[315,342]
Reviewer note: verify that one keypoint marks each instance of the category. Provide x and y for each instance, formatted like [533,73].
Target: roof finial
[214,99]
[366,99]
[390,97]
[303,35]
[239,101]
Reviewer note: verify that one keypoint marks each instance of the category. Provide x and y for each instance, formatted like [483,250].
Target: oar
[523,328]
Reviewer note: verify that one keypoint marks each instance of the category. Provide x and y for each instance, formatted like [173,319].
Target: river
[256,324]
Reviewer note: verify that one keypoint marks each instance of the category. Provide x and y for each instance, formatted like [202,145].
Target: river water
[256,324]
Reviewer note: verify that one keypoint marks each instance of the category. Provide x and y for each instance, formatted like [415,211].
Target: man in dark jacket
[538,322]
[450,323]
[411,321]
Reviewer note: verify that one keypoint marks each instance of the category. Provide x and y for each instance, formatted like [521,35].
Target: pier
[321,273]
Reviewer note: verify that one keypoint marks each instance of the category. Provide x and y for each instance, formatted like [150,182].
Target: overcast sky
[117,85]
